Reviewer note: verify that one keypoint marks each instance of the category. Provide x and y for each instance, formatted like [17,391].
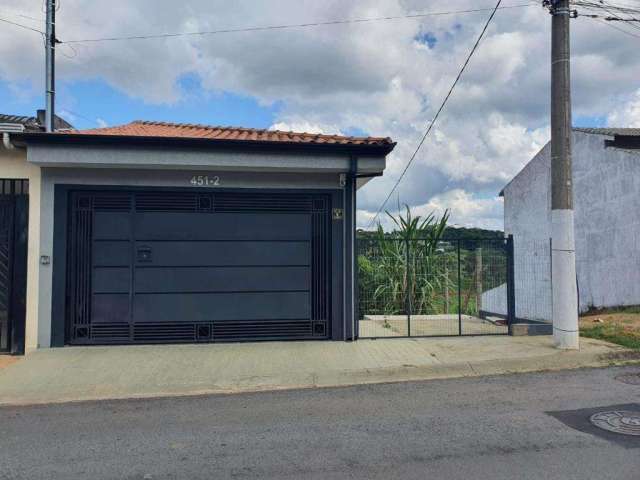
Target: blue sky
[90,101]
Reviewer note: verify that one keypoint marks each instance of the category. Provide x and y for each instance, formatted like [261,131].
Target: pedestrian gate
[418,288]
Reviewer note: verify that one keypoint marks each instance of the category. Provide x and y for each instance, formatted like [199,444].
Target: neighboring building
[15,177]
[21,123]
[156,232]
[606,192]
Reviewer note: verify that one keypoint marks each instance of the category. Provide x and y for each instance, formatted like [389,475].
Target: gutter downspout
[6,141]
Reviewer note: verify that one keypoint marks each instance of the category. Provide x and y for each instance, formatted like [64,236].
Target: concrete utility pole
[50,59]
[563,256]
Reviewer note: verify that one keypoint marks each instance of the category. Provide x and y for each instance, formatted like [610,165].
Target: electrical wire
[23,15]
[79,115]
[618,18]
[604,6]
[289,26]
[435,118]
[16,24]
[608,24]
[607,19]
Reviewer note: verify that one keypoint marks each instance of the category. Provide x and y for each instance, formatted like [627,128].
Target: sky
[379,78]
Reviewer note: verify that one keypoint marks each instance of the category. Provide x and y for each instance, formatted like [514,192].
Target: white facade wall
[607,225]
[13,165]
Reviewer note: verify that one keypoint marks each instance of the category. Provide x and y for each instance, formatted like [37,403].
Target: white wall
[13,164]
[607,221]
[607,215]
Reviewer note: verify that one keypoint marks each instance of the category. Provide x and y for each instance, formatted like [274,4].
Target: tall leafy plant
[402,267]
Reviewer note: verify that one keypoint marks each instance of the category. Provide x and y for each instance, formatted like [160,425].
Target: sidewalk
[80,373]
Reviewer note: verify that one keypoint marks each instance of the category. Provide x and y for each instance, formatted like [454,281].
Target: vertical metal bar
[446,285]
[133,206]
[19,273]
[511,293]
[11,237]
[459,292]
[478,281]
[6,217]
[407,272]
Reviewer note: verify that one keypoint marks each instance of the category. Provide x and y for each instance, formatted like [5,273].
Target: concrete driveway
[92,373]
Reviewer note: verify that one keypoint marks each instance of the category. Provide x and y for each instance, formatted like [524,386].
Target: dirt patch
[621,327]
[6,360]
[628,322]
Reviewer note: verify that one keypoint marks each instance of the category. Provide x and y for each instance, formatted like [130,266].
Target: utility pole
[563,256]
[50,59]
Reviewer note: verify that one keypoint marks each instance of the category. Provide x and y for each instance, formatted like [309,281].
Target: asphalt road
[492,427]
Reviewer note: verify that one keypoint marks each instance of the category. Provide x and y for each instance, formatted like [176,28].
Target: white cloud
[302,125]
[465,210]
[628,114]
[370,76]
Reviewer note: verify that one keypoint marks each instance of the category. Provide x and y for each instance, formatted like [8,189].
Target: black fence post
[408,287]
[511,290]
[459,292]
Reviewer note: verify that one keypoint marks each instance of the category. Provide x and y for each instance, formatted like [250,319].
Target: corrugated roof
[29,123]
[151,129]
[610,131]
[32,123]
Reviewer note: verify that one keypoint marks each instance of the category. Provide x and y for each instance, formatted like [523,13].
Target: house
[155,232]
[606,192]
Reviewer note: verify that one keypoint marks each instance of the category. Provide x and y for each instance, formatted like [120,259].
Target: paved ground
[6,360]
[427,325]
[473,428]
[92,373]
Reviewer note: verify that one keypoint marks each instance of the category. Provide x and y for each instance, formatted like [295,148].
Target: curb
[347,378]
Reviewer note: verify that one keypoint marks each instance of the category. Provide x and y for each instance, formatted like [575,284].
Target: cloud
[466,210]
[628,114]
[301,125]
[377,77]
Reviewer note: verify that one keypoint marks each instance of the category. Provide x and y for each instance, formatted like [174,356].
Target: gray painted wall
[113,157]
[607,226]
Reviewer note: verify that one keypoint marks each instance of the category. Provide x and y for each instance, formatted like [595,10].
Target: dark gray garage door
[164,266]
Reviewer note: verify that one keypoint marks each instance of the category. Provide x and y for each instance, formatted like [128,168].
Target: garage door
[163,266]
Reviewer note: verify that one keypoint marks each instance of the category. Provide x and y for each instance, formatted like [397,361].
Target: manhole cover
[618,421]
[630,378]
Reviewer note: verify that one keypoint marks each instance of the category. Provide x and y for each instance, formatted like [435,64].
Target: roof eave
[203,143]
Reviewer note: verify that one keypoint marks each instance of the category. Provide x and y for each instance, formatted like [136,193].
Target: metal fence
[418,288]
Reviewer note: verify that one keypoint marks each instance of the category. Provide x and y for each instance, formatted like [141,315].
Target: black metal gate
[160,266]
[13,263]
[417,288]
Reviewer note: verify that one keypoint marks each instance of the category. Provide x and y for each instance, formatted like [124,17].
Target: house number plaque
[205,180]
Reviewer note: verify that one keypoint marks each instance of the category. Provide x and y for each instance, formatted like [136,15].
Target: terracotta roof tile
[140,128]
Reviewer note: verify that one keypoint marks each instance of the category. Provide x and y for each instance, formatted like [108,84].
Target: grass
[615,325]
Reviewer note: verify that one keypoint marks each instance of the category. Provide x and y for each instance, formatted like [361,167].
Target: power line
[79,115]
[23,15]
[616,17]
[608,24]
[613,17]
[21,25]
[287,26]
[435,118]
[607,7]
